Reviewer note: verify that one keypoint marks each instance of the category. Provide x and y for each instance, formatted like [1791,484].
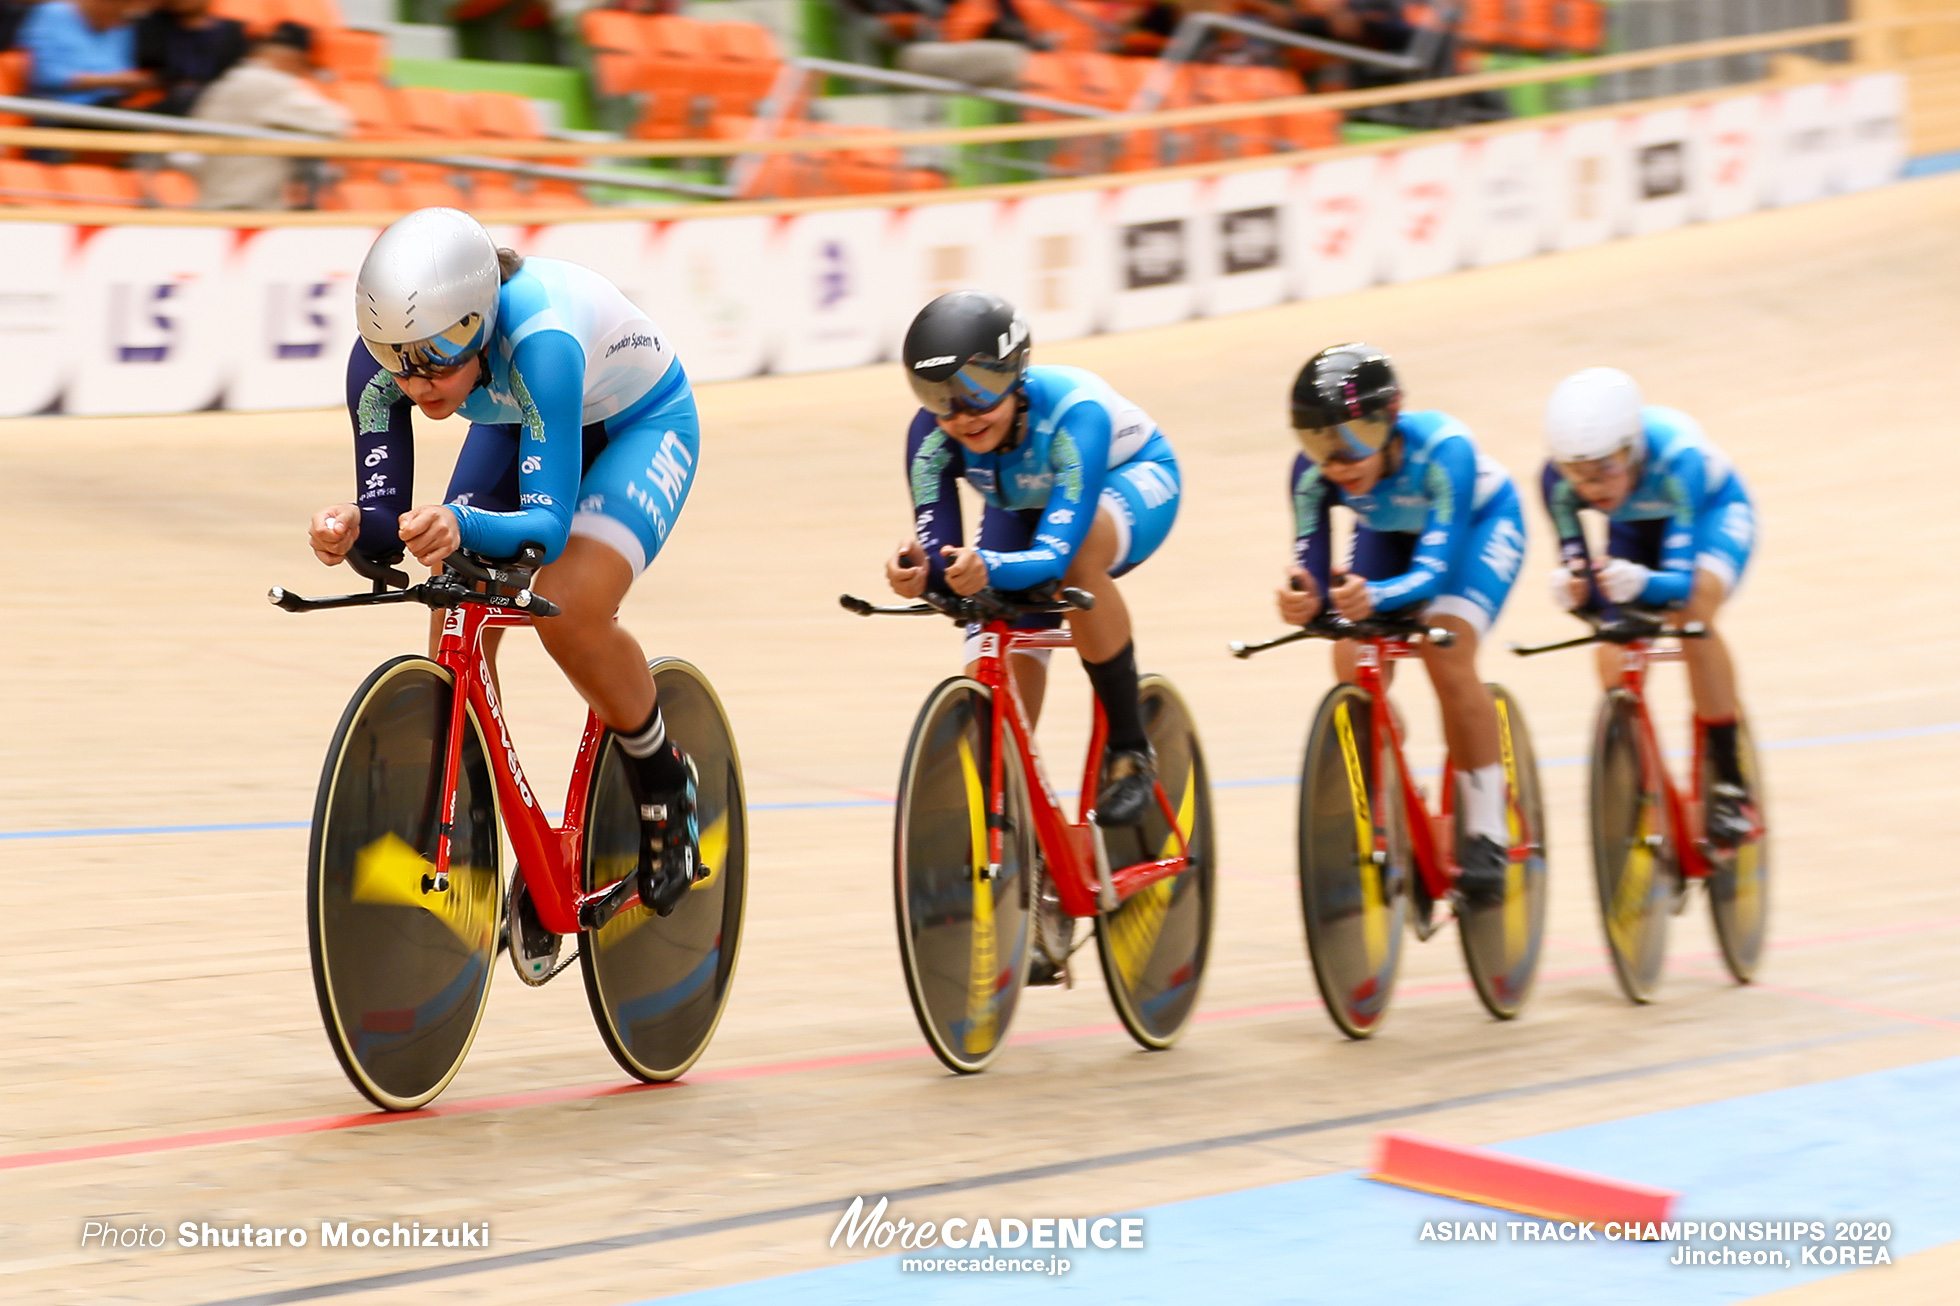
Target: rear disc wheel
[401,966]
[963,933]
[1354,861]
[1154,945]
[1738,879]
[657,985]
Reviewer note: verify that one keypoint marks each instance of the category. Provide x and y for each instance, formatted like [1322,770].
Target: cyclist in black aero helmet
[1439,531]
[1079,485]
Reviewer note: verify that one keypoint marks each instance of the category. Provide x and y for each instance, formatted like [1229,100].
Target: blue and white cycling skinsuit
[1689,512]
[1083,448]
[585,425]
[1444,531]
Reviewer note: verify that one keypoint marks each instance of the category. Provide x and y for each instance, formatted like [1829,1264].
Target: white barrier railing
[157,319]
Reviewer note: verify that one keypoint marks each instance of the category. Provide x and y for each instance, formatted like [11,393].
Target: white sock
[1482,793]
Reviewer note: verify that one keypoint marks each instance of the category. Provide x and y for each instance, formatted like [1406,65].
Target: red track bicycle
[1649,847]
[1372,855]
[406,909]
[991,875]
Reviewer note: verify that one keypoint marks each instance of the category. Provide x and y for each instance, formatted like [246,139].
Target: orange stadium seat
[674,76]
[1484,22]
[618,41]
[1063,29]
[360,195]
[167,188]
[351,56]
[746,63]
[1531,25]
[499,115]
[1579,26]
[90,183]
[317,15]
[426,111]
[25,183]
[257,15]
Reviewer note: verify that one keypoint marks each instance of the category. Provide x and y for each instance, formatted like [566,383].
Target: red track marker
[1473,1174]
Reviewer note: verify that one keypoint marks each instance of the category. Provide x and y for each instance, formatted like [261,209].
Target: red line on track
[769,1070]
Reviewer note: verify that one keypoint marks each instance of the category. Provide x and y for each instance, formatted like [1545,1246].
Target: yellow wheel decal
[1636,883]
[1134,926]
[1374,913]
[389,871]
[984,963]
[1517,926]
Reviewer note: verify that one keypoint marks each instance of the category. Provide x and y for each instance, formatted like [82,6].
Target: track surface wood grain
[158,985]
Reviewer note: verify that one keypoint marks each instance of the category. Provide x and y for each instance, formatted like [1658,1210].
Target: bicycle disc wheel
[1354,861]
[962,938]
[401,969]
[1153,946]
[657,985]
[1738,881]
[1503,941]
[1633,850]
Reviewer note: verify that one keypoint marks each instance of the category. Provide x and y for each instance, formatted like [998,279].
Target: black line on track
[1001,1178]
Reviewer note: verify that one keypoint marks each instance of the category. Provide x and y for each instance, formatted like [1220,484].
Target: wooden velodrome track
[157,984]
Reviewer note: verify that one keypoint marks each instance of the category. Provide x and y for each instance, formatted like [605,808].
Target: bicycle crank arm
[595,909]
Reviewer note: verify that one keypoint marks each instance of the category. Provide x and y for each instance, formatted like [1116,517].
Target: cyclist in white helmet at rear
[583,440]
[1680,530]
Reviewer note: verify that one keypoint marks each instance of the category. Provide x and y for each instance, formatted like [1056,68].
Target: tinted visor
[1345,442]
[438,353]
[1594,470]
[978,387]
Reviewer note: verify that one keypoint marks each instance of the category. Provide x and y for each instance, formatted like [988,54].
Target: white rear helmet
[427,294]
[1593,414]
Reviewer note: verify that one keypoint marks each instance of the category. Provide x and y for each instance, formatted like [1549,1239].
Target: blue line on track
[1879,1146]
[1254,782]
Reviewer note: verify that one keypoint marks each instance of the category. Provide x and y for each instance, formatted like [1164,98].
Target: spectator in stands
[12,14]
[84,51]
[1150,28]
[186,47]
[268,89]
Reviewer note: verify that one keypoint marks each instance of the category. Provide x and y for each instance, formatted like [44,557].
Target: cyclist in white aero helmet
[1680,527]
[583,440]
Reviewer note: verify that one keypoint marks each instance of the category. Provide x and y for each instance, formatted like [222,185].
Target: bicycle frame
[1430,837]
[1636,656]
[1085,884]
[548,856]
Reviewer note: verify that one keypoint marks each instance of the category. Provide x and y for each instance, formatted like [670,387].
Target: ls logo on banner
[1154,254]
[1250,240]
[140,321]
[297,321]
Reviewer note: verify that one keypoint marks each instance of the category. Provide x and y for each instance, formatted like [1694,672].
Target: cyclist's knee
[1097,555]
[1706,597]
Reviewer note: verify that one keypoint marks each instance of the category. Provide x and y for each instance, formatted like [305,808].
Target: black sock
[1721,752]
[1115,682]
[656,763]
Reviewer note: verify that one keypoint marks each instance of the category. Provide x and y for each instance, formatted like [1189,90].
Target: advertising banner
[146,327]
[143,319]
[712,282]
[937,248]
[829,288]
[1243,221]
[1056,262]
[34,358]
[291,296]
[1158,260]
[1502,197]
[1333,225]
[1423,216]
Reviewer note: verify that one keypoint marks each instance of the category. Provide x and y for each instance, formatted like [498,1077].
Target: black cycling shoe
[1731,816]
[1129,776]
[1485,870]
[670,845]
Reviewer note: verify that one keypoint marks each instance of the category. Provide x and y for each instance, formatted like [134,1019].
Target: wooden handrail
[159,143]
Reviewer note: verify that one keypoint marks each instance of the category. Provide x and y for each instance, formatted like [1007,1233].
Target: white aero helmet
[426,298]
[1593,414]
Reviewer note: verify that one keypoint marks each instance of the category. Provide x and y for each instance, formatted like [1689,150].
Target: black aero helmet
[1345,402]
[965,352]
